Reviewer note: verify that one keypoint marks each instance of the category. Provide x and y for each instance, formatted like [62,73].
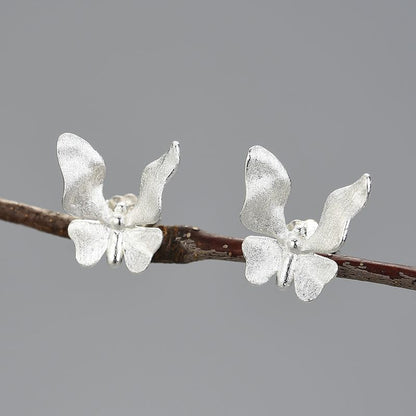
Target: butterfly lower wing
[311,273]
[90,239]
[139,246]
[267,190]
[263,258]
[83,170]
[340,207]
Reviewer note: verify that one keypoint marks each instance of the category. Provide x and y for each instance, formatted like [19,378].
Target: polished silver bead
[120,226]
[288,252]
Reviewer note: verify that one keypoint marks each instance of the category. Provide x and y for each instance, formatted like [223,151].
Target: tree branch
[183,244]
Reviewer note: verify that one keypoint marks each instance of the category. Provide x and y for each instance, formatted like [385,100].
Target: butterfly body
[121,206]
[284,275]
[115,249]
[292,248]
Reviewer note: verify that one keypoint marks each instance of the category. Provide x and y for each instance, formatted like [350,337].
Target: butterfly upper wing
[263,258]
[139,245]
[154,177]
[311,273]
[267,190]
[83,170]
[90,239]
[340,207]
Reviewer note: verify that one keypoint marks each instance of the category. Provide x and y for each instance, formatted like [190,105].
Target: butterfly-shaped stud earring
[288,251]
[119,226]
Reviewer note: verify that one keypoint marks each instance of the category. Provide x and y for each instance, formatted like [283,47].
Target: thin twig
[183,244]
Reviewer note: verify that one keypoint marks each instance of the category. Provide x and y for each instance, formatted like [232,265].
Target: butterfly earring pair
[123,227]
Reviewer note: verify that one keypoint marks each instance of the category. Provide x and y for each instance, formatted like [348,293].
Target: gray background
[328,86]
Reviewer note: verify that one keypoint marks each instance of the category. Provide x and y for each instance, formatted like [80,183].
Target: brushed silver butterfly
[119,226]
[288,251]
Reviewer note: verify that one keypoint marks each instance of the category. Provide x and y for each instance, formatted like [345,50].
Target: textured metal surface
[83,170]
[139,245]
[340,207]
[90,239]
[114,226]
[267,190]
[154,177]
[311,273]
[288,255]
[263,251]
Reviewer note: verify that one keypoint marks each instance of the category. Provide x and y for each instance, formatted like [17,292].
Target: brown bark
[183,244]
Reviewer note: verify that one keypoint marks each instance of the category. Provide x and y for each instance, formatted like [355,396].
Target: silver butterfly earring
[288,251]
[119,226]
